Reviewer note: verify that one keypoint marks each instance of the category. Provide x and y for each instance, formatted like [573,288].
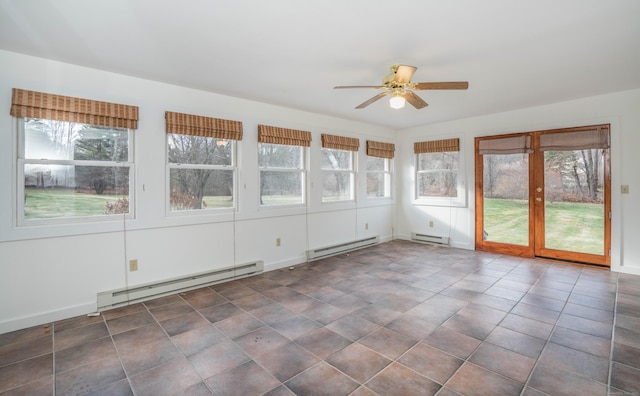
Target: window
[75,165]
[379,157]
[338,173]
[438,180]
[281,159]
[201,162]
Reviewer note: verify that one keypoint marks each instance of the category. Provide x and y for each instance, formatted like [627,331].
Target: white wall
[618,109]
[54,272]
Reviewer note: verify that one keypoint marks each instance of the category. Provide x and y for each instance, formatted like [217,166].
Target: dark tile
[625,378]
[247,379]
[85,353]
[472,327]
[586,326]
[261,341]
[253,301]
[80,335]
[626,355]
[399,380]
[165,312]
[430,362]
[149,356]
[41,387]
[527,326]
[411,326]
[324,313]
[238,325]
[271,313]
[294,326]
[193,341]
[90,377]
[573,361]
[474,380]
[26,334]
[483,313]
[499,303]
[26,371]
[77,321]
[501,292]
[358,362]
[280,391]
[137,337]
[323,342]
[452,342]
[237,292]
[171,378]
[387,342]
[161,301]
[627,337]
[129,322]
[218,358]
[536,313]
[376,314]
[553,381]
[25,349]
[583,342]
[286,361]
[123,311]
[502,361]
[352,327]
[582,311]
[514,341]
[183,323]
[220,312]
[321,379]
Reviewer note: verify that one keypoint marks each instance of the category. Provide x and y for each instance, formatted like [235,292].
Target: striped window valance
[506,145]
[437,146]
[32,104]
[596,137]
[380,149]
[194,125]
[277,135]
[340,142]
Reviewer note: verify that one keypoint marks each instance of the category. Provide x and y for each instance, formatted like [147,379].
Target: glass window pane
[438,184]
[280,188]
[62,191]
[506,198]
[61,140]
[446,160]
[200,189]
[279,156]
[337,186]
[186,149]
[377,164]
[337,159]
[378,184]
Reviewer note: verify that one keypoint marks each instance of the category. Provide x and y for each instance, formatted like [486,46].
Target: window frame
[302,170]
[174,165]
[21,161]
[351,172]
[461,199]
[387,173]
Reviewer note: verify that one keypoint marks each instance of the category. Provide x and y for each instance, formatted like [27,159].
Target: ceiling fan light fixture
[397,101]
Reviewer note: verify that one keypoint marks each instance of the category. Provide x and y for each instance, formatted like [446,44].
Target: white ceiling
[292,53]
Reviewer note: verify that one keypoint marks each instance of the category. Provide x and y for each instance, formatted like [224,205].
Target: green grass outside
[51,204]
[575,227]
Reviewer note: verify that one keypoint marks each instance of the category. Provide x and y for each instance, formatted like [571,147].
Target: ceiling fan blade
[443,85]
[368,102]
[358,86]
[404,73]
[415,100]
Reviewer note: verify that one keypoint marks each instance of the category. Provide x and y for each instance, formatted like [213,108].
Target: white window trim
[460,200]
[352,172]
[303,170]
[207,211]
[20,161]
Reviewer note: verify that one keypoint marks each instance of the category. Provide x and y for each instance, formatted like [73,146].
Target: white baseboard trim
[285,263]
[46,317]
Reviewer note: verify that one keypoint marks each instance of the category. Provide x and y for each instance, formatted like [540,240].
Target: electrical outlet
[366,226]
[624,189]
[430,223]
[133,265]
[277,241]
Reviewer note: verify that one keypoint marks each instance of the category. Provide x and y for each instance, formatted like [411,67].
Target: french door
[545,194]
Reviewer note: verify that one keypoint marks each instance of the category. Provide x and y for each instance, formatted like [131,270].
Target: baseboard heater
[328,251]
[125,296]
[433,239]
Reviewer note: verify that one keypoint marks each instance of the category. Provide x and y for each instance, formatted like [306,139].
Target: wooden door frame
[536,208]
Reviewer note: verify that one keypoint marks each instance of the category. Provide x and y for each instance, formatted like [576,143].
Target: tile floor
[398,318]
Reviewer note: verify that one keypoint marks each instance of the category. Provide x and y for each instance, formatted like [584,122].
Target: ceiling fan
[398,84]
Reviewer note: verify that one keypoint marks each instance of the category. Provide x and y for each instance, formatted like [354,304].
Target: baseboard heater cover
[433,239]
[125,296]
[333,250]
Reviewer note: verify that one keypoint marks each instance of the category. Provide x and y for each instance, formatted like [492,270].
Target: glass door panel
[574,207]
[506,198]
